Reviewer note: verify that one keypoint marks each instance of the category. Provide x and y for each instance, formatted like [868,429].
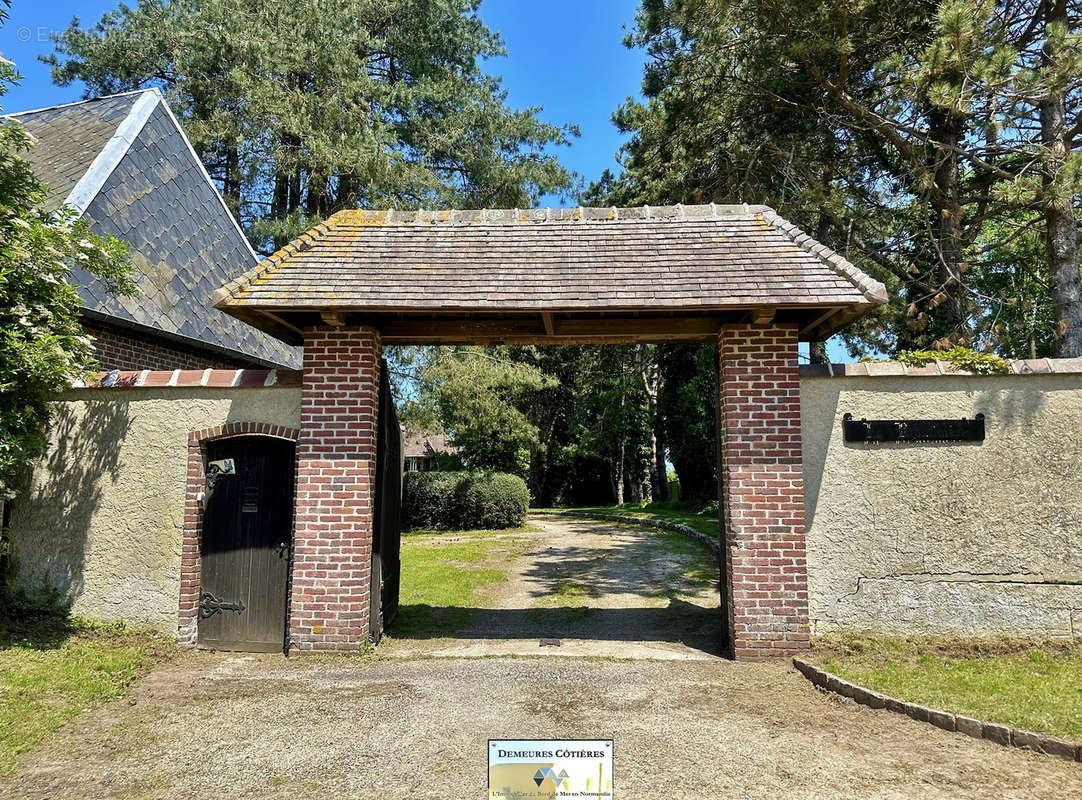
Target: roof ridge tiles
[582,214]
[872,289]
[272,262]
[152,89]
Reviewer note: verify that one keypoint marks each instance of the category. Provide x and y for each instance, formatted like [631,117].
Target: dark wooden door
[387,527]
[247,528]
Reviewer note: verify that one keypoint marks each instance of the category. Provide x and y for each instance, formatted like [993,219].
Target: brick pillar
[762,490]
[336,472]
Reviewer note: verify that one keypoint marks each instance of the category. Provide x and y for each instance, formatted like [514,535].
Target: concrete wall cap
[880,369]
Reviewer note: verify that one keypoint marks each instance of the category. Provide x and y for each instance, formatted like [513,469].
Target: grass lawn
[703,517]
[444,574]
[1035,686]
[52,669]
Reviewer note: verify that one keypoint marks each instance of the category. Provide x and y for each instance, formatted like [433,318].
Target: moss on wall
[100,520]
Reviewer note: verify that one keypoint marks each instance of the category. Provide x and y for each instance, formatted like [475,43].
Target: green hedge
[463,500]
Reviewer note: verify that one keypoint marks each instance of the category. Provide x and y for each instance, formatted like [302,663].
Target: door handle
[283,549]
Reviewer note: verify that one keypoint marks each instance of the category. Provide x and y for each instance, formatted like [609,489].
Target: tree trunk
[280,196]
[1061,228]
[231,179]
[659,462]
[945,130]
[315,198]
[817,351]
[620,476]
[651,379]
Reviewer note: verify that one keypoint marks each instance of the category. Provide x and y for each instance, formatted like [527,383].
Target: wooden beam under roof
[532,330]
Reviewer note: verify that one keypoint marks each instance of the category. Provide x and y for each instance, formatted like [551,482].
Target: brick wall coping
[238,378]
[189,378]
[954,723]
[884,369]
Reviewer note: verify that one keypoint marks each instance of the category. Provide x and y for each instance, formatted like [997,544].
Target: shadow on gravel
[680,622]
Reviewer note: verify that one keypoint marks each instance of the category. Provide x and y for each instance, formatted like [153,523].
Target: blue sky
[569,60]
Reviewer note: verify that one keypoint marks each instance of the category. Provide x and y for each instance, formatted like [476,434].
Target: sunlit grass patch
[1032,685]
[52,669]
[442,578]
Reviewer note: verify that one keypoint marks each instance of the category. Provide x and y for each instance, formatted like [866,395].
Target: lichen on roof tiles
[703,256]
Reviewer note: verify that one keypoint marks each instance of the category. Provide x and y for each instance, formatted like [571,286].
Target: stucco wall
[100,521]
[966,538]
[954,538]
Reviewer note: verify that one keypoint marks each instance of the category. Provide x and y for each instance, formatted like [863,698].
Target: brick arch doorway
[737,276]
[202,445]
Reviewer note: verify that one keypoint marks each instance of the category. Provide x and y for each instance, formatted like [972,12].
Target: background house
[423,452]
[124,163]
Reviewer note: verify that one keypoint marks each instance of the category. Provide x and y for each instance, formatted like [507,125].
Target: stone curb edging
[646,522]
[955,723]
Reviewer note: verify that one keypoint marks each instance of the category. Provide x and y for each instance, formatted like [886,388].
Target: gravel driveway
[686,723]
[596,588]
[213,726]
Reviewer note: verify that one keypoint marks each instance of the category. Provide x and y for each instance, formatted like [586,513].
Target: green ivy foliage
[42,344]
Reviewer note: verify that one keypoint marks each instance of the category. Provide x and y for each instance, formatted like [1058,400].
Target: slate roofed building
[124,163]
[421,451]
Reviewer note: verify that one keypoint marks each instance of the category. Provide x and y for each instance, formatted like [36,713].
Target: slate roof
[425,445]
[67,139]
[125,164]
[586,259]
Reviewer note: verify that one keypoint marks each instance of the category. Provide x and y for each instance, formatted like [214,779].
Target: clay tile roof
[653,257]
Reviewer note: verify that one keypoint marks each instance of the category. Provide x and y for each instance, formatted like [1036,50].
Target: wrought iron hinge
[209,605]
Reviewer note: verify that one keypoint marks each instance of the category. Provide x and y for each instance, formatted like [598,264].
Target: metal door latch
[209,605]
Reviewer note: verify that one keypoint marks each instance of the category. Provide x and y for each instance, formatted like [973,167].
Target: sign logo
[549,769]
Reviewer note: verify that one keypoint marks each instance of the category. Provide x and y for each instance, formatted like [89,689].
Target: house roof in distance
[552,275]
[425,444]
[124,163]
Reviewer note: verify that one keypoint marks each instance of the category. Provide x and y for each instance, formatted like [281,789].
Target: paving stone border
[647,522]
[956,723]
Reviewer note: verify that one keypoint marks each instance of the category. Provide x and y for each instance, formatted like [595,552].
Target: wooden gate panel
[387,533]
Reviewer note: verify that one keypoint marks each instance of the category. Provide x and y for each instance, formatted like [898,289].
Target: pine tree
[303,108]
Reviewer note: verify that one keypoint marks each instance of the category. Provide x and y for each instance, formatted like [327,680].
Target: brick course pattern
[336,472]
[193,515]
[763,486]
[127,349]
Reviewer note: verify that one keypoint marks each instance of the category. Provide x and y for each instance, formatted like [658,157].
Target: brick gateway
[738,276]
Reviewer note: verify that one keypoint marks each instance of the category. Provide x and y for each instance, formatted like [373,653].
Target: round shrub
[428,499]
[463,500]
[493,500]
